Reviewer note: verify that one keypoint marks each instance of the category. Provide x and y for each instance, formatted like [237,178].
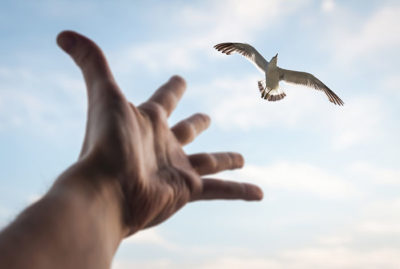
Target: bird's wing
[247,51]
[310,80]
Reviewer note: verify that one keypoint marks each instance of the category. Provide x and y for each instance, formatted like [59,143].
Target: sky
[330,174]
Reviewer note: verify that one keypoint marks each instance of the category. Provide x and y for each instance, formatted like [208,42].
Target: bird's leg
[267,94]
[264,93]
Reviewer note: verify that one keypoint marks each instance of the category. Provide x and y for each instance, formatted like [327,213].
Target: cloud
[301,258]
[380,217]
[391,84]
[203,26]
[338,257]
[356,245]
[376,174]
[235,103]
[159,56]
[236,19]
[150,237]
[238,263]
[33,198]
[299,178]
[334,240]
[328,5]
[359,122]
[38,103]
[313,257]
[156,264]
[372,36]
[378,221]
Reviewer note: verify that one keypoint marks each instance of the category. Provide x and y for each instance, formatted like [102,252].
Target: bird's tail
[270,95]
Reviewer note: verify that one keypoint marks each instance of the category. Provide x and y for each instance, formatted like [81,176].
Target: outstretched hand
[134,147]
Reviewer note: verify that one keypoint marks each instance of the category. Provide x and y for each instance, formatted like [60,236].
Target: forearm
[75,225]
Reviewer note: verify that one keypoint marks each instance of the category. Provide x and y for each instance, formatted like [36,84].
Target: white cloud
[370,39]
[334,240]
[235,103]
[155,264]
[376,174]
[380,217]
[299,178]
[219,21]
[150,237]
[158,56]
[378,220]
[235,19]
[44,104]
[360,121]
[301,258]
[343,247]
[328,5]
[380,227]
[22,108]
[33,198]
[239,263]
[339,257]
[391,85]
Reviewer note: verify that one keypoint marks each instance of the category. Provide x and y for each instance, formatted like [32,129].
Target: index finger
[169,94]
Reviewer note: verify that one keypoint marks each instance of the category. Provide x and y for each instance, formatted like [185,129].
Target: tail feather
[270,95]
[276,97]
[261,85]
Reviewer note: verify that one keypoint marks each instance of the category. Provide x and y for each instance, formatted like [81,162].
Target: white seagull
[269,87]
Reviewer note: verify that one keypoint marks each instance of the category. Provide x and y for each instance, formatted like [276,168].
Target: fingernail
[178,79]
[66,41]
[260,194]
[255,193]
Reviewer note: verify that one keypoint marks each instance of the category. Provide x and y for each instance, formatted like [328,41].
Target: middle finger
[211,163]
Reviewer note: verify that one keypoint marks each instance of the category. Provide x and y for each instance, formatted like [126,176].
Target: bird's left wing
[247,51]
[310,80]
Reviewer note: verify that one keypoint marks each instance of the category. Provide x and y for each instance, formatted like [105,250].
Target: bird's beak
[276,55]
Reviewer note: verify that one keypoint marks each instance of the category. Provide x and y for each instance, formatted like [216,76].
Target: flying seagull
[269,87]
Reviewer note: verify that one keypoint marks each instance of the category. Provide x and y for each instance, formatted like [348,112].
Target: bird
[269,87]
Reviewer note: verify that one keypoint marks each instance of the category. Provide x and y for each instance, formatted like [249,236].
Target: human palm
[135,147]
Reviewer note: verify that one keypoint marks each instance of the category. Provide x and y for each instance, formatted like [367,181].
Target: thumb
[101,87]
[87,55]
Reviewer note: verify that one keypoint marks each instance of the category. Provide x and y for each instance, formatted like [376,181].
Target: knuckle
[235,159]
[211,161]
[229,159]
[154,110]
[190,132]
[202,117]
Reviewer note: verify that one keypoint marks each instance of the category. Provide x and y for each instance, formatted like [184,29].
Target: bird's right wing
[309,80]
[247,51]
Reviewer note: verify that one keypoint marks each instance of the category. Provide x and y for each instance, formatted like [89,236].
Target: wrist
[102,193]
[80,217]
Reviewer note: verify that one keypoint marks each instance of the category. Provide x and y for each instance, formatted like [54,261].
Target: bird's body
[272,76]
[269,87]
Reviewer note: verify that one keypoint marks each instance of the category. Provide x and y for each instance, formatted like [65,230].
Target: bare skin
[132,174]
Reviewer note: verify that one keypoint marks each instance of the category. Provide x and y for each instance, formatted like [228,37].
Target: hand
[133,147]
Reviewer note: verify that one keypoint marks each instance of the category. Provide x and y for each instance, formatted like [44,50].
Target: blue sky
[331,175]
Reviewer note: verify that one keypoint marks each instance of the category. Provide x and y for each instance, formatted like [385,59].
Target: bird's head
[275,58]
